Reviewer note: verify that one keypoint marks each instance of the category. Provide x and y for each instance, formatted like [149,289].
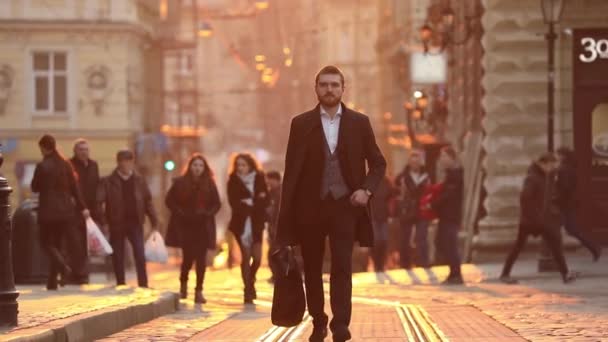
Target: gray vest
[332,183]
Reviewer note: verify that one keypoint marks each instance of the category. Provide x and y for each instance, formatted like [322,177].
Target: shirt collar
[338,113]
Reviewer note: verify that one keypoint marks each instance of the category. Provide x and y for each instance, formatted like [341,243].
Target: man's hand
[86,214]
[359,198]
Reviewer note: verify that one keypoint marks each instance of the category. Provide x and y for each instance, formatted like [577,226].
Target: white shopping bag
[97,243]
[155,248]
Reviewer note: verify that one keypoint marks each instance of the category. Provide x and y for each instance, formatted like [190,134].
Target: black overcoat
[187,215]
[237,192]
[361,161]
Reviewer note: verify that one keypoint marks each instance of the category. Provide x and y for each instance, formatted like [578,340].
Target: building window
[50,82]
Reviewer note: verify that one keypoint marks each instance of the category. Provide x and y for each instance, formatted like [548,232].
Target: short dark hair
[329,70]
[124,154]
[276,175]
[48,142]
[547,157]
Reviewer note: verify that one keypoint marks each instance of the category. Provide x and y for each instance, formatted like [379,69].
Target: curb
[95,325]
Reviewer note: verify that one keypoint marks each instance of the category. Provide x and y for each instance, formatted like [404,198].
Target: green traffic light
[169,165]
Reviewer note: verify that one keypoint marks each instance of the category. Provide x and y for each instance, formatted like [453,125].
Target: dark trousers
[422,244]
[380,244]
[251,258]
[448,242]
[79,258]
[135,235]
[552,239]
[338,221]
[194,251]
[569,221]
[52,236]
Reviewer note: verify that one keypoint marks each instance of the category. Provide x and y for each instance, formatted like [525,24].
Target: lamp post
[552,12]
[415,114]
[8,293]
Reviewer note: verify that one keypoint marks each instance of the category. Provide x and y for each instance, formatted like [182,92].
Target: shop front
[590,122]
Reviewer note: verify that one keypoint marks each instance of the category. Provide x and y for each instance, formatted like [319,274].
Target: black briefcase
[289,300]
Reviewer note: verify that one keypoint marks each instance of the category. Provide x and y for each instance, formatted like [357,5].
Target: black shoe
[51,285]
[508,280]
[199,298]
[341,335]
[597,253]
[570,278]
[453,281]
[318,334]
[183,290]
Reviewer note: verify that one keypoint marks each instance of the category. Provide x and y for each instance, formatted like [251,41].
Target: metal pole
[545,261]
[551,36]
[8,293]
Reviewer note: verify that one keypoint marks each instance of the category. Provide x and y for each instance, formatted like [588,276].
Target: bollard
[8,293]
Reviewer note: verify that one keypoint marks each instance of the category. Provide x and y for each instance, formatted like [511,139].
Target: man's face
[82,151]
[329,89]
[415,160]
[273,183]
[44,151]
[126,165]
[445,160]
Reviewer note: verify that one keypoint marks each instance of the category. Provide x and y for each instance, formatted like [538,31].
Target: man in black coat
[326,191]
[126,200]
[88,182]
[448,206]
[539,215]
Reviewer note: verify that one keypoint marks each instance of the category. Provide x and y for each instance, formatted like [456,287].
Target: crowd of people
[334,188]
[72,191]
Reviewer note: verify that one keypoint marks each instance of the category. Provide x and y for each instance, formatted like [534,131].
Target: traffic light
[169,165]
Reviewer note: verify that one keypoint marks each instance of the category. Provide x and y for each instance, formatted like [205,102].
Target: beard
[329,100]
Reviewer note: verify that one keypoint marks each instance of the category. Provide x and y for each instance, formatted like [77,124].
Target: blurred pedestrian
[332,167]
[194,201]
[126,201]
[566,189]
[59,208]
[448,205]
[88,181]
[380,204]
[273,179]
[248,198]
[539,215]
[411,183]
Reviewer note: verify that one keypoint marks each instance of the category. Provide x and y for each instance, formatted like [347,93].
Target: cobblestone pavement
[540,308]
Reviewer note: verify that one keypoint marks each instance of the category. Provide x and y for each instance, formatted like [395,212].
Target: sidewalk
[84,313]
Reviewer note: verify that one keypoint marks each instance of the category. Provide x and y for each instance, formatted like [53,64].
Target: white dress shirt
[331,127]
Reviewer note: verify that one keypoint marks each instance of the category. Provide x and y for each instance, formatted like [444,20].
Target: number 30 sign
[594,49]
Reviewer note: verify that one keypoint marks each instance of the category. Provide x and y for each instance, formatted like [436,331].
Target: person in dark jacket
[380,204]
[448,205]
[539,215]
[411,184]
[566,189]
[88,182]
[60,202]
[273,179]
[248,198]
[126,201]
[194,201]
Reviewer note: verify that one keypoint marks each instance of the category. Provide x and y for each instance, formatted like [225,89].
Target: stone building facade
[77,68]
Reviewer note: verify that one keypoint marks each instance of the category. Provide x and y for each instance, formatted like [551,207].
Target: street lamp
[447,29]
[205,30]
[8,294]
[261,4]
[552,12]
